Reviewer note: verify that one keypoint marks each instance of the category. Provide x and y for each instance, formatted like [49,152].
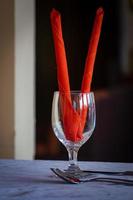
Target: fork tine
[64,177]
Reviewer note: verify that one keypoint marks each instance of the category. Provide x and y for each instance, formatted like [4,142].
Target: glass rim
[75,92]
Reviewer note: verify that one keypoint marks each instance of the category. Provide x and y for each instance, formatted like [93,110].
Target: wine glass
[73,122]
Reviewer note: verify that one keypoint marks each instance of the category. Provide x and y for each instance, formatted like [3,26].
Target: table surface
[25,180]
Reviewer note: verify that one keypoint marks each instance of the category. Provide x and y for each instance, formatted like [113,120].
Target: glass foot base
[75,171]
[73,168]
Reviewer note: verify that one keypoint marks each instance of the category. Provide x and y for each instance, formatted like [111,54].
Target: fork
[91,177]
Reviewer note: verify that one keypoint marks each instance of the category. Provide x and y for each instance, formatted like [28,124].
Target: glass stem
[72,155]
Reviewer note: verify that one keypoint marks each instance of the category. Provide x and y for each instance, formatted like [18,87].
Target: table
[26,180]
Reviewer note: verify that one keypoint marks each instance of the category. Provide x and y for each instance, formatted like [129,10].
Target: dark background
[112,139]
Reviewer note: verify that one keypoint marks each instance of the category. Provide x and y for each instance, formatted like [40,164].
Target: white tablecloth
[33,180]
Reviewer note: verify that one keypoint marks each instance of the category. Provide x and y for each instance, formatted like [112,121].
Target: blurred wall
[6,78]
[17,61]
[126,42]
[24,79]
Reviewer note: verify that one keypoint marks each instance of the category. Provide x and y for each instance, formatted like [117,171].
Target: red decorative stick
[70,117]
[89,64]
[62,70]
